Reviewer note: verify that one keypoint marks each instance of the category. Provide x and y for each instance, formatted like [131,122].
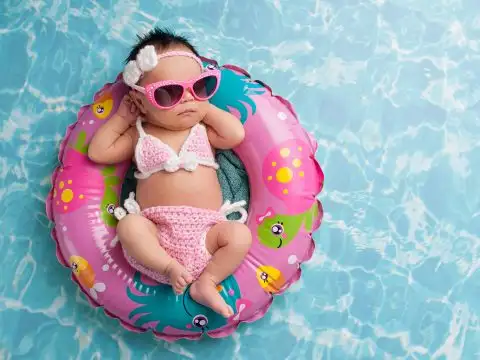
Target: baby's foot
[179,276]
[204,291]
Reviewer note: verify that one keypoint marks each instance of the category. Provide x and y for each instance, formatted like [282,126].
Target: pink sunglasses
[168,93]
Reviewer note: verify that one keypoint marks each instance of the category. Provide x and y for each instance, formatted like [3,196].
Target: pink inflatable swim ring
[284,180]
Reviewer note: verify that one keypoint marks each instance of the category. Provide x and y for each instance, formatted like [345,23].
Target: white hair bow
[146,60]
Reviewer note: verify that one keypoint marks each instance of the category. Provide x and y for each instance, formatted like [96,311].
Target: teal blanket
[232,176]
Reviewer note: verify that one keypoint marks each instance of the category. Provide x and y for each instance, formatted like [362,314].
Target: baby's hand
[128,110]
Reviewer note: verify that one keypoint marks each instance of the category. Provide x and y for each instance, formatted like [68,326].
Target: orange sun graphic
[290,167]
[65,196]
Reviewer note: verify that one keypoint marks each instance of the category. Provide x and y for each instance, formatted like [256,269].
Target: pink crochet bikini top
[152,154]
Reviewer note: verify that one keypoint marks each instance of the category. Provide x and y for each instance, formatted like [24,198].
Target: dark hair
[161,39]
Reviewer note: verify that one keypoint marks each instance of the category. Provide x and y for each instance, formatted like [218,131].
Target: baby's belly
[199,188]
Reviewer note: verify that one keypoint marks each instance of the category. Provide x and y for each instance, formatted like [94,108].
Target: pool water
[390,90]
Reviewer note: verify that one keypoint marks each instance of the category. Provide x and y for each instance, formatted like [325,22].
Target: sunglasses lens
[205,87]
[168,95]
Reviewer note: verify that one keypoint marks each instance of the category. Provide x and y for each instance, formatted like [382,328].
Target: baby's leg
[138,236]
[229,243]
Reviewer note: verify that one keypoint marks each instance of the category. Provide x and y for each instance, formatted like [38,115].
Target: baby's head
[161,56]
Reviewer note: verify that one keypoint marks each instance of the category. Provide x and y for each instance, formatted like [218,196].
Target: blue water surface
[390,89]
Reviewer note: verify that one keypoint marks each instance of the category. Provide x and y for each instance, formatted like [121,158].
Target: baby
[166,124]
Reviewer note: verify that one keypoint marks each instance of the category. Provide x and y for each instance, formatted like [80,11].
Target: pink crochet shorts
[182,231]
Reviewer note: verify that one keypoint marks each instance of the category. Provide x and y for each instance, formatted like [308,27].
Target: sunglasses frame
[150,89]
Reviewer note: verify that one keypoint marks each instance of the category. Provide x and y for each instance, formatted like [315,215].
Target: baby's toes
[178,290]
[187,277]
[181,282]
[180,285]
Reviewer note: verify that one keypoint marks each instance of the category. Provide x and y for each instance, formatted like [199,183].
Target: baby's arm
[115,140]
[224,130]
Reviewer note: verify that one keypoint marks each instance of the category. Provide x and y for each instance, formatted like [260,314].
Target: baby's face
[188,111]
